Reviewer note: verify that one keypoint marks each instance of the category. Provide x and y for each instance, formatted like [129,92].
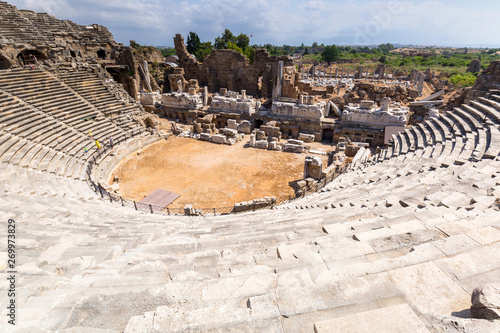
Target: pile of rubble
[371,91]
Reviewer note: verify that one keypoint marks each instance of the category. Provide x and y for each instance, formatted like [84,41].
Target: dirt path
[207,174]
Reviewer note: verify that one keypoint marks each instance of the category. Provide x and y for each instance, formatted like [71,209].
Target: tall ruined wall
[25,33]
[489,79]
[232,70]
[55,39]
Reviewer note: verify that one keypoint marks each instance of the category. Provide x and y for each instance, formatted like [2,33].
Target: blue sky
[292,22]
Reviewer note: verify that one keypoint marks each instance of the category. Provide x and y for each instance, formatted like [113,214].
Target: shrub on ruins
[232,46]
[463,80]
[330,53]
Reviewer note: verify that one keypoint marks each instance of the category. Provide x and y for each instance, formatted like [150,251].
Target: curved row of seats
[469,132]
[44,127]
[399,240]
[92,88]
[28,27]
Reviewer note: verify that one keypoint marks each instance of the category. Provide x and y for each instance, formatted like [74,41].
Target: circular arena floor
[207,174]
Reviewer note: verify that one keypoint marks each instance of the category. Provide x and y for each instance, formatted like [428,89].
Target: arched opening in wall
[122,74]
[258,123]
[101,54]
[31,57]
[4,62]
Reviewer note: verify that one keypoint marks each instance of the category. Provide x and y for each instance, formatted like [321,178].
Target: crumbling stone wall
[489,79]
[232,70]
[370,91]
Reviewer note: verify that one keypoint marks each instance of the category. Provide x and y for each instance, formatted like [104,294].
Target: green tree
[193,43]
[305,51]
[314,46]
[330,53]
[203,51]
[385,48]
[221,42]
[242,41]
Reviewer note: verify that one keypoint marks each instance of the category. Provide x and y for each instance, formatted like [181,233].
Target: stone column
[243,94]
[367,73]
[313,69]
[252,140]
[336,73]
[205,95]
[179,86]
[381,73]
[385,104]
[348,72]
[420,86]
[342,75]
[360,73]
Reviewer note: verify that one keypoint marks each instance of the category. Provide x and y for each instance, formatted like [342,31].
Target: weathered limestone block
[291,148]
[366,104]
[296,142]
[394,117]
[309,111]
[313,167]
[231,123]
[232,102]
[189,210]
[262,144]
[260,135]
[486,302]
[230,132]
[272,145]
[182,101]
[254,204]
[205,136]
[252,140]
[306,137]
[219,138]
[244,127]
[150,98]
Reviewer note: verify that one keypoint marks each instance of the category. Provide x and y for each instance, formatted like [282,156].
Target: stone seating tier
[410,236]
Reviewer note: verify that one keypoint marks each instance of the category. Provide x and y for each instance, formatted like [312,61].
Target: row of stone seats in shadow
[92,88]
[42,132]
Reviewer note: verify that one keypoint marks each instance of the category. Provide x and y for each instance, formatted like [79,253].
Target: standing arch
[31,57]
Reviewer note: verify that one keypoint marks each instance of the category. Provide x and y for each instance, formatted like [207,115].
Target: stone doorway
[327,135]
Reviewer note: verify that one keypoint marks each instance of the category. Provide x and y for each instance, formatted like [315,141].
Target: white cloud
[285,21]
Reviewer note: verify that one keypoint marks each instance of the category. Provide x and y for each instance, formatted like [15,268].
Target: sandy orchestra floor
[207,174]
